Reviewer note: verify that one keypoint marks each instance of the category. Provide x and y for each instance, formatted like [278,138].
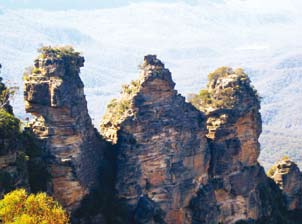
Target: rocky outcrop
[237,183]
[162,151]
[75,152]
[289,178]
[173,162]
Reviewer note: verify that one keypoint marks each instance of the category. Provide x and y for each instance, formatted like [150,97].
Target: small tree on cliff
[5,94]
[18,207]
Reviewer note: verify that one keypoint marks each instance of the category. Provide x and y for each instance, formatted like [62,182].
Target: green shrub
[9,125]
[224,95]
[5,94]
[220,72]
[58,52]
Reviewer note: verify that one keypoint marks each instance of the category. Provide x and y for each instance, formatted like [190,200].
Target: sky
[77,4]
[54,5]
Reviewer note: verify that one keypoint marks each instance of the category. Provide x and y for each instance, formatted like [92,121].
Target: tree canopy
[19,207]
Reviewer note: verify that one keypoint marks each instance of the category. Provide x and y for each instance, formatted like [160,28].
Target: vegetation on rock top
[60,55]
[273,168]
[5,94]
[118,109]
[226,88]
[58,52]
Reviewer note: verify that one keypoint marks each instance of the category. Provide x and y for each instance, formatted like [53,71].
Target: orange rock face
[162,152]
[173,163]
[54,95]
[236,180]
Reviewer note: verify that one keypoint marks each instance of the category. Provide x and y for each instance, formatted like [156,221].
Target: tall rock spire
[54,95]
[237,182]
[288,176]
[162,152]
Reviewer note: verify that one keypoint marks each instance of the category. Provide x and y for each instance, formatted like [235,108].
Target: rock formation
[238,188]
[75,153]
[162,152]
[289,178]
[173,162]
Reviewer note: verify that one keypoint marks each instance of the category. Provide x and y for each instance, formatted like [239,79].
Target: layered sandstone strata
[54,95]
[162,152]
[237,183]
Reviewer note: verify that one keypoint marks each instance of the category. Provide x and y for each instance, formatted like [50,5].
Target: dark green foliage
[15,169]
[9,125]
[5,94]
[21,161]
[6,181]
[36,163]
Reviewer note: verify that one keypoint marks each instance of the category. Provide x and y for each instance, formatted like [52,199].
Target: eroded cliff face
[162,151]
[289,178]
[54,95]
[238,188]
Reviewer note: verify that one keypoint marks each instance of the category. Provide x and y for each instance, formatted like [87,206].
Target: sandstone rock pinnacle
[236,180]
[289,178]
[162,152]
[54,95]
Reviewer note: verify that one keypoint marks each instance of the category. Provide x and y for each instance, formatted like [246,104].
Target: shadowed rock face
[289,178]
[162,152]
[54,95]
